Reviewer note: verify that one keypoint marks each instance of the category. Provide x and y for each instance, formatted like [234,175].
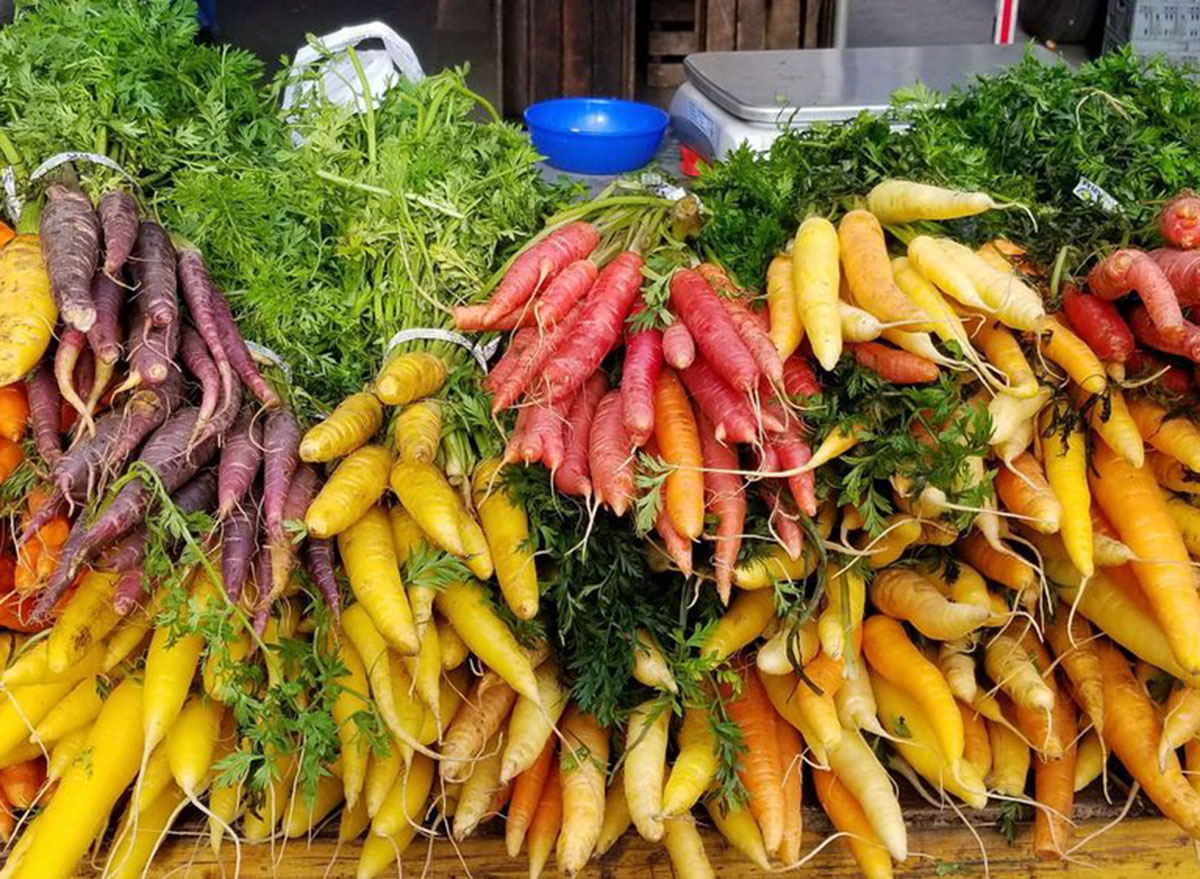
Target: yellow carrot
[858,325]
[408,377]
[1175,436]
[350,425]
[431,501]
[740,830]
[923,294]
[507,530]
[87,618]
[905,594]
[786,327]
[869,272]
[355,485]
[1113,422]
[352,697]
[77,709]
[927,257]
[896,201]
[374,573]
[417,432]
[1011,300]
[744,621]
[1010,759]
[1064,455]
[303,816]
[27,308]
[531,724]
[468,610]
[645,766]
[815,275]
[695,766]
[1001,349]
[650,666]
[843,612]
[1187,519]
[582,769]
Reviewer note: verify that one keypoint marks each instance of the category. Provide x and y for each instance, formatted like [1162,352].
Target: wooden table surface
[1137,848]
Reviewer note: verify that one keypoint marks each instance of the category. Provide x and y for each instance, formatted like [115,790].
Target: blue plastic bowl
[595,135]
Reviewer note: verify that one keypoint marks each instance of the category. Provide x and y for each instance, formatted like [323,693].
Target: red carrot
[574,476]
[540,435]
[532,358]
[1098,323]
[538,265]
[522,341]
[695,303]
[470,318]
[639,372]
[118,213]
[1180,221]
[1128,270]
[571,285]
[70,238]
[1185,344]
[318,558]
[793,453]
[679,349]
[799,380]
[105,335]
[44,405]
[678,547]
[1182,268]
[610,455]
[1143,364]
[758,341]
[894,365]
[240,459]
[239,545]
[782,521]
[719,280]
[153,267]
[725,496]
[598,329]
[729,410]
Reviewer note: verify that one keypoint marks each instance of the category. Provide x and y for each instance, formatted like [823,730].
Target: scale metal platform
[735,97]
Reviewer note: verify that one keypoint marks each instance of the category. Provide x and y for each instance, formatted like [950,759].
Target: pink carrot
[678,547]
[757,340]
[719,280]
[643,362]
[45,404]
[728,410]
[799,380]
[571,285]
[533,358]
[695,303]
[1098,323]
[1185,344]
[538,265]
[1182,268]
[793,453]
[1180,221]
[610,455]
[782,524]
[679,349]
[599,327]
[1128,270]
[574,476]
[118,213]
[506,366]
[894,365]
[540,434]
[724,496]
[470,319]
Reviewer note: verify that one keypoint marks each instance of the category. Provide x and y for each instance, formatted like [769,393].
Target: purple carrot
[130,587]
[303,488]
[240,460]
[239,354]
[238,547]
[262,580]
[281,447]
[70,238]
[119,220]
[151,352]
[200,292]
[70,345]
[153,266]
[45,412]
[318,558]
[127,553]
[105,335]
[201,366]
[226,414]
[167,453]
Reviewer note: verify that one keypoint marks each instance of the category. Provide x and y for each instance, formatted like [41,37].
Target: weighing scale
[735,97]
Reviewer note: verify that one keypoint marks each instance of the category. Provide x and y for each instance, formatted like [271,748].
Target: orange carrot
[724,496]
[1054,787]
[10,457]
[546,822]
[894,365]
[8,821]
[14,411]
[847,816]
[791,750]
[20,782]
[1023,489]
[760,771]
[679,443]
[526,794]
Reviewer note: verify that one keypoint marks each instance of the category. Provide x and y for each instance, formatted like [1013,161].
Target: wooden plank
[577,46]
[783,24]
[665,75]
[608,49]
[673,10]
[545,49]
[751,24]
[812,21]
[672,42]
[720,25]
[1147,848]
[515,56]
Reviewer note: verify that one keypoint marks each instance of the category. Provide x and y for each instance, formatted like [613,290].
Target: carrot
[679,443]
[1054,788]
[1187,518]
[410,376]
[355,485]
[931,260]
[728,409]
[791,752]
[431,501]
[70,234]
[1000,347]
[895,201]
[370,559]
[574,476]
[899,367]
[1181,723]
[546,821]
[1099,324]
[45,404]
[610,455]
[1184,343]
[905,594]
[526,358]
[1023,489]
[20,782]
[857,767]
[1135,504]
[1127,270]
[677,548]
[737,825]
[892,656]
[1070,352]
[478,791]
[118,216]
[695,766]
[645,766]
[713,330]
[1173,435]
[598,328]
[977,749]
[28,310]
[753,330]
[1013,302]
[1132,730]
[14,412]
[467,609]
[1179,221]
[869,272]
[1010,759]
[787,330]
[11,456]
[352,423]
[815,275]
[582,770]
[857,325]
[1065,458]
[472,318]
[644,353]
[1172,474]
[539,434]
[1071,639]
[724,496]
[1182,268]
[1090,759]
[1013,671]
[848,816]
[527,792]
[539,264]
[760,771]
[1007,569]
[678,347]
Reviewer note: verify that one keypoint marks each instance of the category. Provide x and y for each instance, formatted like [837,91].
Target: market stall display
[385,484]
